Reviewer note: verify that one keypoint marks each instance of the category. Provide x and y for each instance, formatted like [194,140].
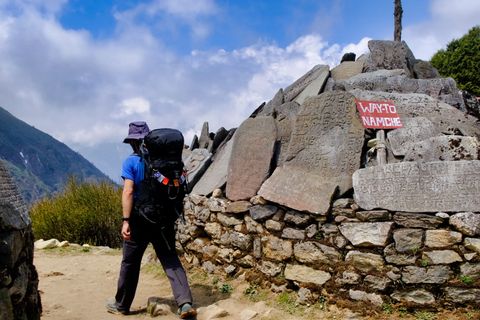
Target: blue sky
[81,70]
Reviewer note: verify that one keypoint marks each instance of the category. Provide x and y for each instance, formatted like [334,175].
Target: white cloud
[133,107]
[449,20]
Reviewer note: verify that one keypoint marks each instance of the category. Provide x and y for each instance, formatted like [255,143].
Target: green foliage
[461,61]
[226,288]
[83,213]
[287,302]
[425,315]
[467,279]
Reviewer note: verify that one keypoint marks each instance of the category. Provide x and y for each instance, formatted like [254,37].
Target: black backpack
[160,195]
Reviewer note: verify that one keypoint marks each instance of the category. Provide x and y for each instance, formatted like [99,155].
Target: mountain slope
[40,164]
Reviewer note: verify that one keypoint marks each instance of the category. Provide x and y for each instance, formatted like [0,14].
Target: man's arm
[127,206]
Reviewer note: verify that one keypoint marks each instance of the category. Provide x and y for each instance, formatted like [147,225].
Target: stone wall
[376,256]
[19,297]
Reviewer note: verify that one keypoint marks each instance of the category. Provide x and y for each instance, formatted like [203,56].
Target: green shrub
[83,213]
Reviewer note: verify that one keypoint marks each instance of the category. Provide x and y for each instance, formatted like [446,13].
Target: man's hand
[126,230]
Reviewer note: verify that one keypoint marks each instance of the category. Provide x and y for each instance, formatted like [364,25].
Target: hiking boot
[112,307]
[186,311]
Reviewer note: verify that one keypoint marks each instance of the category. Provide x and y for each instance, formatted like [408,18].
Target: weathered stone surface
[364,261]
[408,240]
[238,207]
[414,130]
[228,221]
[216,174]
[297,218]
[46,244]
[446,118]
[314,253]
[277,100]
[377,283]
[462,295]
[393,257]
[389,55]
[305,274]
[419,296]
[444,148]
[240,240]
[204,141]
[442,238]
[323,152]
[441,257]
[252,225]
[273,225]
[216,204]
[260,212]
[295,234]
[298,188]
[13,212]
[367,234]
[472,244]
[253,146]
[347,69]
[285,120]
[300,84]
[417,220]
[349,277]
[373,216]
[467,223]
[433,274]
[219,137]
[471,270]
[419,186]
[212,312]
[269,268]
[277,249]
[373,298]
[196,164]
[424,70]
[248,314]
[314,87]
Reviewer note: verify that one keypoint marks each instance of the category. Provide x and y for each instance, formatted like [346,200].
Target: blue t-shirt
[133,168]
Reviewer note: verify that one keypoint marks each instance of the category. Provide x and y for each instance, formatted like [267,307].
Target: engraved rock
[414,130]
[196,164]
[419,186]
[367,234]
[347,69]
[444,148]
[253,146]
[300,84]
[314,87]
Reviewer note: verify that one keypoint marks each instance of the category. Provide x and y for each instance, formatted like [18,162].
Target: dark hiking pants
[163,241]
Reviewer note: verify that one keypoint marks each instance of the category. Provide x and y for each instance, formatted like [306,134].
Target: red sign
[378,114]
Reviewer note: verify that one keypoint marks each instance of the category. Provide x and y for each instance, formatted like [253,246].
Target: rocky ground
[76,282]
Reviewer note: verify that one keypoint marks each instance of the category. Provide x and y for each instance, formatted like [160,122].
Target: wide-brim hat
[136,130]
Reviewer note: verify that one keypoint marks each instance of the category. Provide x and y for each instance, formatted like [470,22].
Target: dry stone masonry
[19,296]
[297,199]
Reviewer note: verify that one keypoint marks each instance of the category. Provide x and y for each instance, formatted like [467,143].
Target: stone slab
[385,54]
[447,186]
[13,211]
[216,174]
[314,87]
[347,69]
[414,130]
[444,148]
[252,151]
[446,118]
[301,83]
[299,189]
[327,139]
[196,164]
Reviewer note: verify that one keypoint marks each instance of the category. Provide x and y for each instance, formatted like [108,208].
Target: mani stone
[196,164]
[444,148]
[295,88]
[252,151]
[414,130]
[285,120]
[306,274]
[367,234]
[13,211]
[447,186]
[314,87]
[447,119]
[389,55]
[324,151]
[216,174]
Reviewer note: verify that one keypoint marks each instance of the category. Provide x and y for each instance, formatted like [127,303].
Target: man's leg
[129,273]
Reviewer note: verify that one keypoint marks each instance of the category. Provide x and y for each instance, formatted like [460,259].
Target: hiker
[137,233]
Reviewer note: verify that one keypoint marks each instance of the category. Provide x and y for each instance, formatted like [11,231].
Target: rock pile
[297,197]
[19,296]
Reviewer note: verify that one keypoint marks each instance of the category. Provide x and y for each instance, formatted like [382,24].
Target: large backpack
[160,195]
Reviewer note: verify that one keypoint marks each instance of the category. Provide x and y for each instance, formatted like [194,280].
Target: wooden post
[381,150]
[398,12]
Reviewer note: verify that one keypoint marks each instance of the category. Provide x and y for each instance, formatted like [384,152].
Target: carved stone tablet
[447,186]
[196,164]
[414,130]
[216,174]
[13,212]
[347,69]
[253,146]
[327,138]
[444,148]
[295,88]
[446,118]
